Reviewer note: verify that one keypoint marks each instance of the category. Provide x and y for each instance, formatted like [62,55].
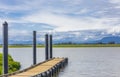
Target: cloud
[74,16]
[61,15]
[61,7]
[113,30]
[115,1]
[82,11]
[70,23]
[17,5]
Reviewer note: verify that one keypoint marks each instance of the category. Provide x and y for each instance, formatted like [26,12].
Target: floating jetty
[49,68]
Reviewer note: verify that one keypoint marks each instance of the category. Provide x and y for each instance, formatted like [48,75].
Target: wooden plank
[39,68]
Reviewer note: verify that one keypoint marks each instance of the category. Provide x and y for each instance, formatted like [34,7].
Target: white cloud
[14,32]
[62,15]
[82,11]
[27,5]
[117,2]
[49,13]
[115,29]
[69,23]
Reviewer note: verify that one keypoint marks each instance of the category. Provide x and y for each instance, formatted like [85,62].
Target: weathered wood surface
[45,66]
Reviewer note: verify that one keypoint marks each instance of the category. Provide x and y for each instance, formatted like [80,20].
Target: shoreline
[66,46]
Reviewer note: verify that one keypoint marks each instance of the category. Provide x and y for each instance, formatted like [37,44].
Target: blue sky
[24,16]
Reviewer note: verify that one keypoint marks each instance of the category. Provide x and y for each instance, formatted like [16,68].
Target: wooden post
[51,51]
[34,47]
[5,47]
[46,47]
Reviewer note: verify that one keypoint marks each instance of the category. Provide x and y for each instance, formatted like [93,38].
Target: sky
[24,16]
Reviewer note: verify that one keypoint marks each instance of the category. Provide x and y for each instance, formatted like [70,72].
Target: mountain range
[72,40]
[78,37]
[105,40]
[113,39]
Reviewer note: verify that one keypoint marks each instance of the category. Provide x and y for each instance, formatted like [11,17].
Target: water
[83,62]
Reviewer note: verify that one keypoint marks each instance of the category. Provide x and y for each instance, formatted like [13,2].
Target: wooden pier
[47,68]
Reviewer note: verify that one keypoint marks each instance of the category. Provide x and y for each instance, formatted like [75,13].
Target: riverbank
[66,45]
[13,65]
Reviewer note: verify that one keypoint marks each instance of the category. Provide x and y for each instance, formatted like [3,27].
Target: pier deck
[40,68]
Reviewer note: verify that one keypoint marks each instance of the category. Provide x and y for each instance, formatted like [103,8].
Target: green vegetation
[67,45]
[19,46]
[13,65]
[87,45]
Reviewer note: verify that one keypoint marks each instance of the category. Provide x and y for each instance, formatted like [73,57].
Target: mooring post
[5,47]
[46,47]
[34,47]
[51,51]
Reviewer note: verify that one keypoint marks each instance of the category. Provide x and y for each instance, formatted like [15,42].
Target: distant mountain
[110,39]
[78,37]
[114,39]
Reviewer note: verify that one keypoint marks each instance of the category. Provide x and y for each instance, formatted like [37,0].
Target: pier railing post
[51,51]
[34,47]
[46,47]
[5,47]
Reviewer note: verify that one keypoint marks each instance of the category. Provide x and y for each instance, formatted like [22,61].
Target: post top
[5,23]
[34,31]
[46,34]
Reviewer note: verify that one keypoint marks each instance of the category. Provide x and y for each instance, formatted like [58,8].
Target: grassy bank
[89,45]
[13,65]
[67,45]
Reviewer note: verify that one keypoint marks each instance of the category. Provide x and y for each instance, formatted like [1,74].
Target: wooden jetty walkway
[47,68]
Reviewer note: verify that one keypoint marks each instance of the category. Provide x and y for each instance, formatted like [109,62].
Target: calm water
[83,62]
